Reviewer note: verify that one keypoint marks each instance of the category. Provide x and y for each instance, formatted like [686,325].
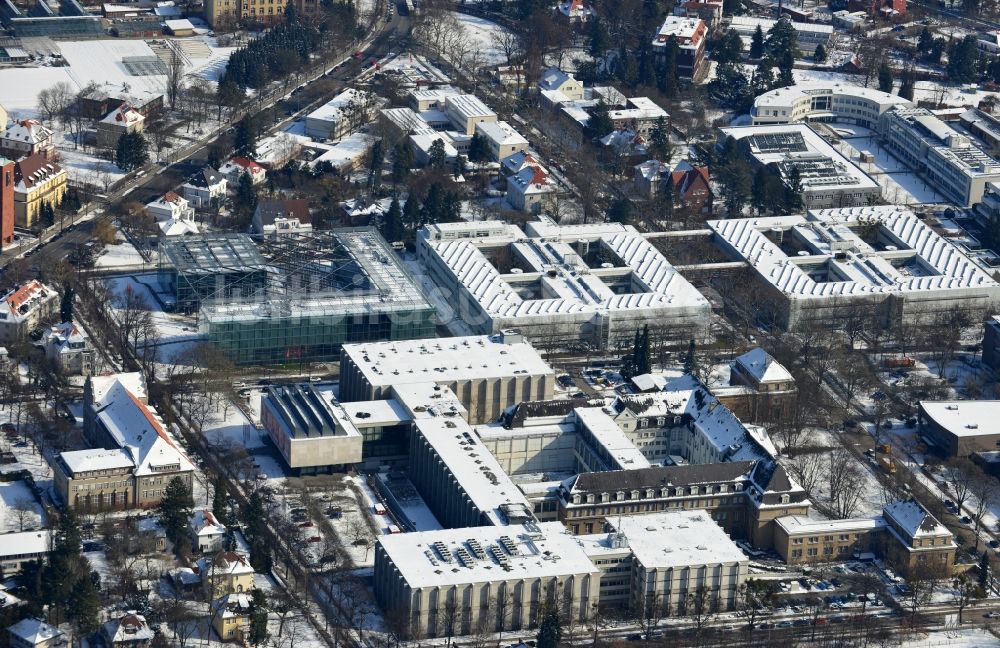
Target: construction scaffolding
[323,289]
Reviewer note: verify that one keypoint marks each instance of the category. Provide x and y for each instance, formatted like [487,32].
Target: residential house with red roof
[530,188]
[237,166]
[24,308]
[121,120]
[37,182]
[690,35]
[27,137]
[576,10]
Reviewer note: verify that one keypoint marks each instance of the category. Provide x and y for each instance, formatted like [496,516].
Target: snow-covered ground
[121,254]
[16,497]
[484,36]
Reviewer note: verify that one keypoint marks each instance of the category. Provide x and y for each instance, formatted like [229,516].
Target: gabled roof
[661,476]
[124,116]
[130,627]
[137,430]
[232,606]
[28,131]
[914,519]
[685,175]
[34,170]
[203,523]
[19,301]
[206,177]
[242,163]
[34,631]
[553,79]
[763,367]
[269,210]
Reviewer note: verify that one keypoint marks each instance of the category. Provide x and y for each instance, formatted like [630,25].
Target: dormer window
[694,490]
[723,488]
[621,496]
[785,499]
[679,491]
[605,497]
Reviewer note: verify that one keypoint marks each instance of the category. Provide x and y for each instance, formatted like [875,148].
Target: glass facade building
[327,288]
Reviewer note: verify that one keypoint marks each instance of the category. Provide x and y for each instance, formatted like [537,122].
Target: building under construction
[322,289]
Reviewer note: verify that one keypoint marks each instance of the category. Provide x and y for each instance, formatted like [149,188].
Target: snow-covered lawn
[484,37]
[121,254]
[16,497]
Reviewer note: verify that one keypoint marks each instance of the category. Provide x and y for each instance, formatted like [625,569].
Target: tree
[782,39]
[175,510]
[479,149]
[599,124]
[175,76]
[820,54]
[549,629]
[700,606]
[599,40]
[392,225]
[411,213]
[245,140]
[220,501]
[729,49]
[964,60]
[132,151]
[985,490]
[258,618]
[436,154]
[620,210]
[375,164]
[959,474]
[668,80]
[659,141]
[84,605]
[54,100]
[906,86]
[245,200]
[885,76]
[752,598]
[966,593]
[66,305]
[786,63]
[757,43]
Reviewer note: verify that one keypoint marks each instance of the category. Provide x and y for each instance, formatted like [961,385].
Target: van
[379,508]
[392,528]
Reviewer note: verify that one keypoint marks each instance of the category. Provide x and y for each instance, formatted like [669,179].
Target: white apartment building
[824,102]
[957,167]
[24,308]
[454,581]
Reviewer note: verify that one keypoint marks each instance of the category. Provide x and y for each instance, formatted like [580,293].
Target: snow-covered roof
[605,433]
[638,108]
[759,364]
[467,106]
[575,9]
[131,627]
[913,519]
[124,116]
[672,539]
[204,523]
[20,301]
[28,131]
[179,24]
[226,563]
[789,96]
[133,381]
[553,79]
[331,110]
[241,164]
[485,553]
[446,360]
[964,418]
[688,32]
[826,234]
[649,382]
[346,152]
[34,631]
[62,335]
[800,524]
[232,606]
[501,133]
[177,227]
[81,461]
[749,24]
[579,290]
[136,429]
[25,543]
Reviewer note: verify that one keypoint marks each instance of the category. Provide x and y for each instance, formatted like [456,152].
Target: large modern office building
[488,373]
[561,285]
[459,581]
[326,288]
[956,166]
[211,267]
[813,269]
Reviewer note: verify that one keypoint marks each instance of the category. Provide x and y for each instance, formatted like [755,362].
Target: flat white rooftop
[796,524]
[821,166]
[670,539]
[783,97]
[965,418]
[481,554]
[472,357]
[913,257]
